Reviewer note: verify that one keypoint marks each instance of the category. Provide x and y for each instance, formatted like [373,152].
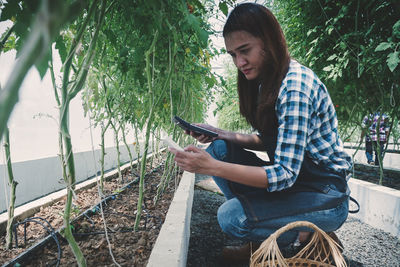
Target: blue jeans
[370,148]
[233,219]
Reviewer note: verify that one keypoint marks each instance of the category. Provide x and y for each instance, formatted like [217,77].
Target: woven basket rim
[316,252]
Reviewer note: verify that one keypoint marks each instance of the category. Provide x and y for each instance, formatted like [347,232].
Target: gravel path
[364,245]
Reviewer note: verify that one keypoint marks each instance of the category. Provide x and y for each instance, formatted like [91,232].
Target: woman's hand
[202,138]
[193,159]
[196,160]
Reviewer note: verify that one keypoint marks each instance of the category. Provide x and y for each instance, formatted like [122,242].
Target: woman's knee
[218,149]
[232,219]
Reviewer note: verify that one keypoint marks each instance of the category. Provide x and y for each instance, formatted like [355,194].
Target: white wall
[40,177]
[379,205]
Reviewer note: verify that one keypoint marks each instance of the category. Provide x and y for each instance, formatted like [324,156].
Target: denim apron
[316,188]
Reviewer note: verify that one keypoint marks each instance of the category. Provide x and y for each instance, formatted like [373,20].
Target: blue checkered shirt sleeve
[293,119]
[307,125]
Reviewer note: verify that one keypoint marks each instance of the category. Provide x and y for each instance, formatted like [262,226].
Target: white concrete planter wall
[172,243]
[40,177]
[379,205]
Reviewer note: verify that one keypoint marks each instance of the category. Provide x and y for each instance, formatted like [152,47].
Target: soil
[206,237]
[391,178]
[129,247]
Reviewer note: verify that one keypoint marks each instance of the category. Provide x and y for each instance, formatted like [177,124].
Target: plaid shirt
[371,122]
[307,125]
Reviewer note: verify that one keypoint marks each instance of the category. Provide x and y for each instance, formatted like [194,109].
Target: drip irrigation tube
[103,232]
[56,234]
[48,228]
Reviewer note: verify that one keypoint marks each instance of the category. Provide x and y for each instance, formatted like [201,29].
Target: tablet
[190,127]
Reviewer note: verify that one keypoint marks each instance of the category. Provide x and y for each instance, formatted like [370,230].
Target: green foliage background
[353,46]
[229,117]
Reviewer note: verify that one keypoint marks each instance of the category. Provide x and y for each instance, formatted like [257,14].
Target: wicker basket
[321,251]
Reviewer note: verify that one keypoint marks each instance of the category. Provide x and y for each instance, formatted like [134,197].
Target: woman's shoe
[316,252]
[239,254]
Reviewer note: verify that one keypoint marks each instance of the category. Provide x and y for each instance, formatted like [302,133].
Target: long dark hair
[259,107]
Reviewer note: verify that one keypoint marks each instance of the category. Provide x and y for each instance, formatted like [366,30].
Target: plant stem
[164,178]
[137,146]
[66,97]
[9,95]
[13,184]
[6,36]
[147,136]
[103,153]
[118,153]
[70,176]
[126,145]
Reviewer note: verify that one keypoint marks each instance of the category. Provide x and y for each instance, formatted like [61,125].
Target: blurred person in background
[375,129]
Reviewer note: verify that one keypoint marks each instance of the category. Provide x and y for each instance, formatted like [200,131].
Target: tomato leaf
[396,29]
[43,64]
[382,46]
[10,9]
[393,60]
[62,50]
[224,8]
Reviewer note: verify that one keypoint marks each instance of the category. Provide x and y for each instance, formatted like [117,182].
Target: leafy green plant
[144,62]
[75,209]
[229,116]
[32,42]
[146,87]
[70,87]
[393,45]
[338,41]
[353,47]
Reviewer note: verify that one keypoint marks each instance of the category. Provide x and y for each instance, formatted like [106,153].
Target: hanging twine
[101,195]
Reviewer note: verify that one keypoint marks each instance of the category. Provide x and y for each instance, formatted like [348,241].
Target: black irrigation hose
[90,220]
[103,232]
[48,228]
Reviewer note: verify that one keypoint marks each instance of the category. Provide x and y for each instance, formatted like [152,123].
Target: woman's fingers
[192,159]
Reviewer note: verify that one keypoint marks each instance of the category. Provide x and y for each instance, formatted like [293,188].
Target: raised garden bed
[368,173]
[129,248]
